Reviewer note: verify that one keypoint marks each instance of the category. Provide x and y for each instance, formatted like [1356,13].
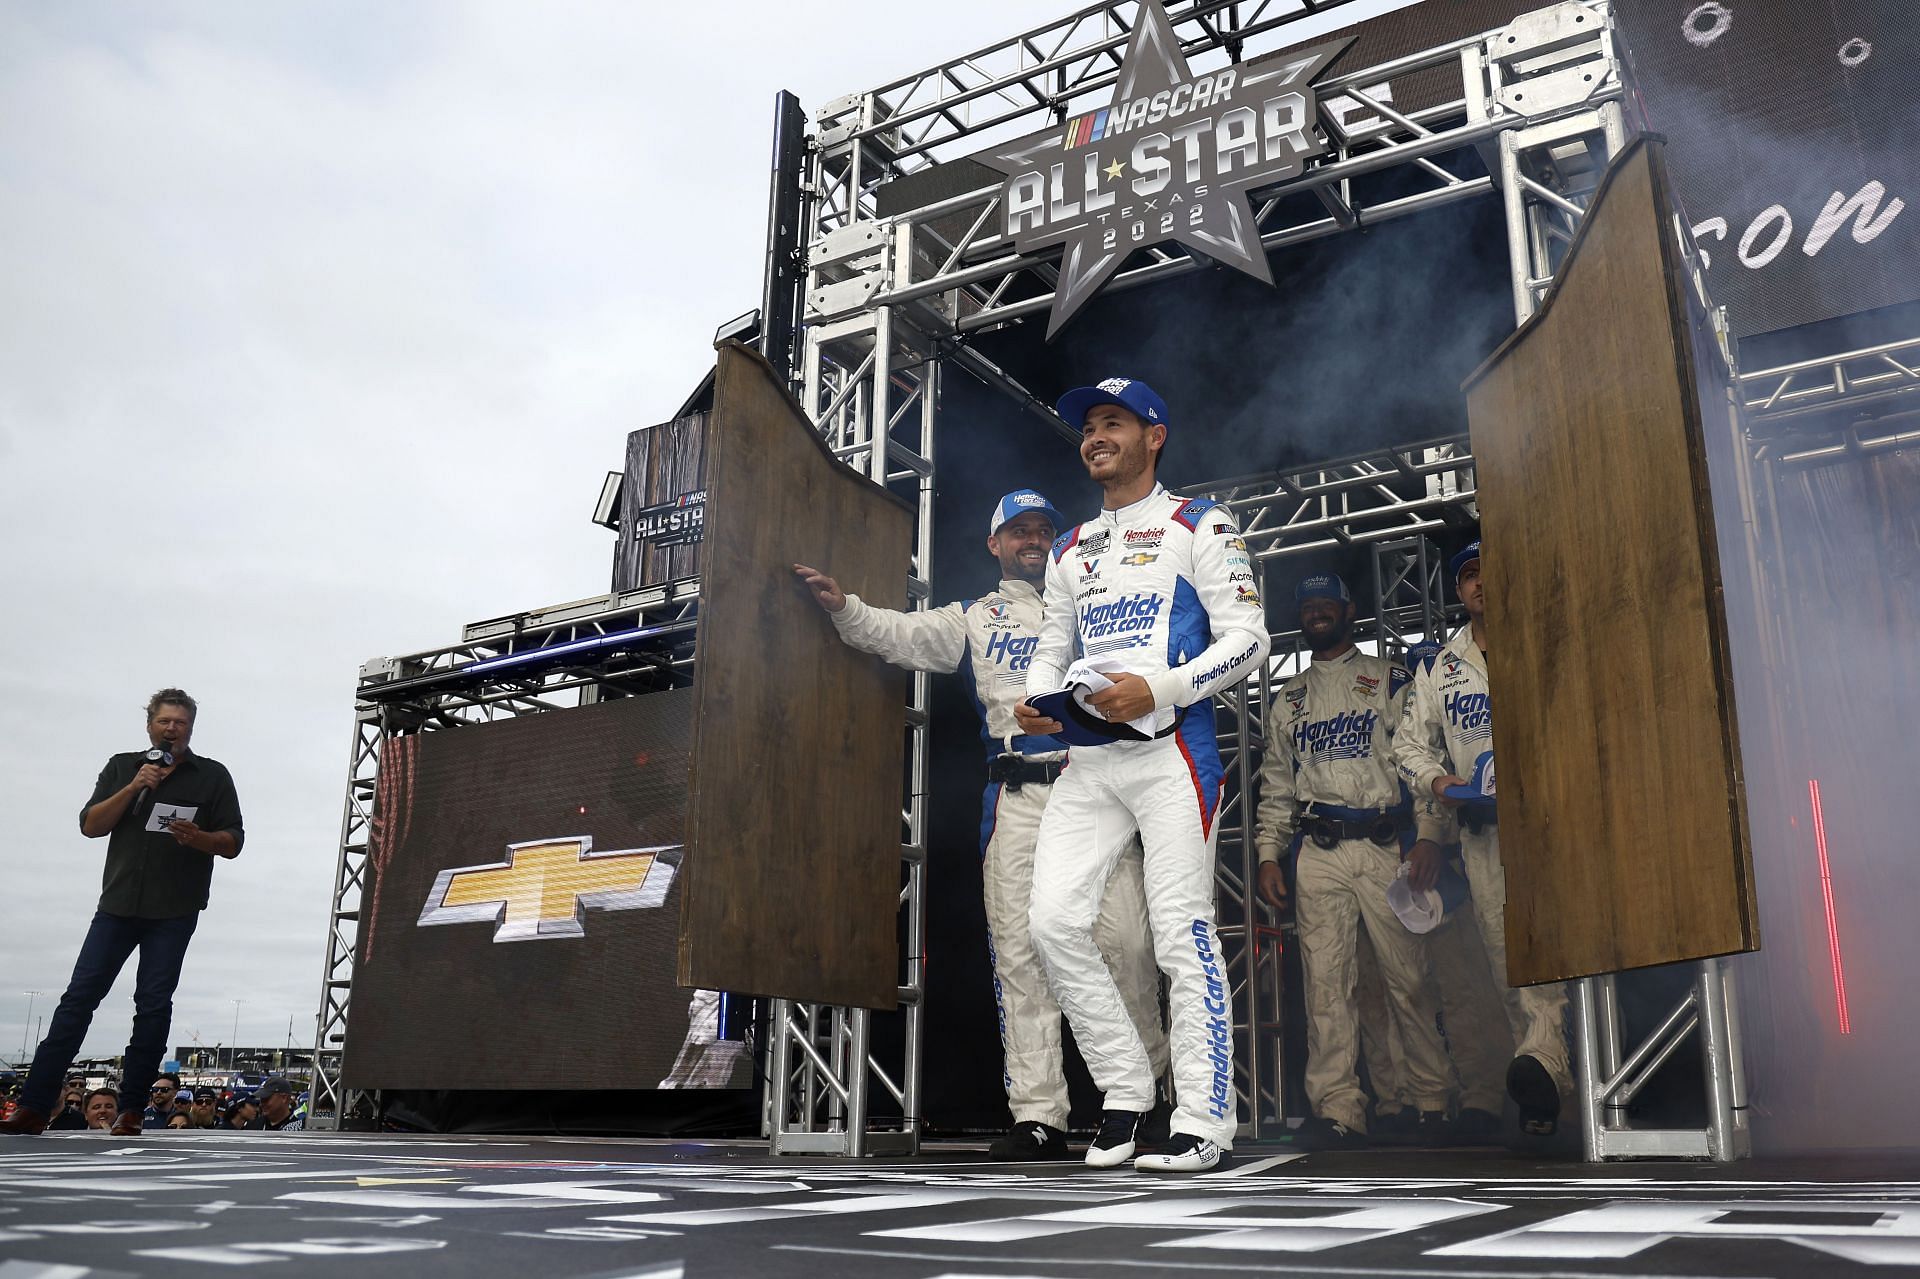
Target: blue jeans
[162,944]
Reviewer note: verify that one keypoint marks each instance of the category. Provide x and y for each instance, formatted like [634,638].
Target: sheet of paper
[163,813]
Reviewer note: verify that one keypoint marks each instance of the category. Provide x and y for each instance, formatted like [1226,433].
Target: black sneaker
[1028,1142]
[1328,1134]
[1156,1126]
[1113,1145]
[1476,1127]
[1184,1153]
[1396,1127]
[1533,1090]
[1430,1129]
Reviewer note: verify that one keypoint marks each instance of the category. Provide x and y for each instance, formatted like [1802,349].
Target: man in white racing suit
[990,642]
[1162,587]
[1448,731]
[1328,772]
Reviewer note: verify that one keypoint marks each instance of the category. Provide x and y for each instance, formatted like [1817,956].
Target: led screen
[521,919]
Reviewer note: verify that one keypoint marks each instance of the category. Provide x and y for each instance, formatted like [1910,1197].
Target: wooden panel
[661,501]
[794,797]
[1622,809]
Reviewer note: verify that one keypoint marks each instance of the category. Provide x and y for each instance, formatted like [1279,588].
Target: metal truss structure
[878,416]
[1836,391]
[523,664]
[1610,1075]
[889,298]
[1545,91]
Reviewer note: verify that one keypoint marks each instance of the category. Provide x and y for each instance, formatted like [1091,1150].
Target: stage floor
[86,1204]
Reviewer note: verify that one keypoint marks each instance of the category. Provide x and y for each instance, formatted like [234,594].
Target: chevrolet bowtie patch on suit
[1171,158]
[546,887]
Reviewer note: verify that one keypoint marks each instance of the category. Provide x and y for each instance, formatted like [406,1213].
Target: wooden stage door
[792,875]
[1623,821]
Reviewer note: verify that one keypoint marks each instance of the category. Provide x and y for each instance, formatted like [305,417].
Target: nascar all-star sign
[1172,158]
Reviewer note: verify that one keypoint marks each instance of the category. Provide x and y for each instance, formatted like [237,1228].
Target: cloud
[322,324]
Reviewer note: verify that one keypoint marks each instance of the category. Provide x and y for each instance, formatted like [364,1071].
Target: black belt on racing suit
[1329,824]
[1015,771]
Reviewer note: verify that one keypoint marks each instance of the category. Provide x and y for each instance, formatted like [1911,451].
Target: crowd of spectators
[272,1107]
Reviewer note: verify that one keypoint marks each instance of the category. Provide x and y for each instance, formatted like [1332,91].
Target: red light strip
[1826,893]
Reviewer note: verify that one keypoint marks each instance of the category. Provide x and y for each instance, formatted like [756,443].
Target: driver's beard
[1334,639]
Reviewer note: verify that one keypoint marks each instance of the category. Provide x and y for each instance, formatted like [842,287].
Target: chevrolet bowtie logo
[546,887]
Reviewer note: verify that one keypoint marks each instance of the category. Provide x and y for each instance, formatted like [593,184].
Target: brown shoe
[128,1124]
[25,1121]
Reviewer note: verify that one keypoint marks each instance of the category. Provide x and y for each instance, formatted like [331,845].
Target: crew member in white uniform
[1162,587]
[1448,731]
[990,642]
[1329,771]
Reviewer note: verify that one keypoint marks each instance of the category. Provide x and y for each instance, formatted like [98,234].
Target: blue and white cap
[1460,561]
[1479,787]
[1423,655]
[1322,586]
[1423,912]
[1018,503]
[1136,397]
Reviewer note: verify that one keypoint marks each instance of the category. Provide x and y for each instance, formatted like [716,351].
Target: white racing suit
[1448,726]
[705,1060]
[990,641]
[1328,734]
[1165,587]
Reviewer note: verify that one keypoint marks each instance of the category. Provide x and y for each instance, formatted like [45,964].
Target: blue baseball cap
[1423,912]
[1322,586]
[1136,397]
[1080,726]
[1018,503]
[1479,787]
[1423,654]
[1460,561]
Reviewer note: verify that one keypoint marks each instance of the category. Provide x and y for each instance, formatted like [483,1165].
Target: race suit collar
[1461,645]
[1344,659]
[1129,514]
[1019,588]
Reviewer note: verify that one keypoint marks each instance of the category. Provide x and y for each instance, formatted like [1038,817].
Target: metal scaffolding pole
[873,390]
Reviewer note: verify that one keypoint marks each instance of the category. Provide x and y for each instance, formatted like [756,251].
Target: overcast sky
[319,326]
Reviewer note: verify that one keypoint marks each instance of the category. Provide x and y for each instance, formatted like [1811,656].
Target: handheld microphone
[164,758]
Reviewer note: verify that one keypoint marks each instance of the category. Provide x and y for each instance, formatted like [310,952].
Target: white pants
[1336,889]
[1105,796]
[1537,1014]
[1035,1077]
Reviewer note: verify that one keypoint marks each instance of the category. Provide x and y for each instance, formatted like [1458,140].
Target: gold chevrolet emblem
[546,887]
